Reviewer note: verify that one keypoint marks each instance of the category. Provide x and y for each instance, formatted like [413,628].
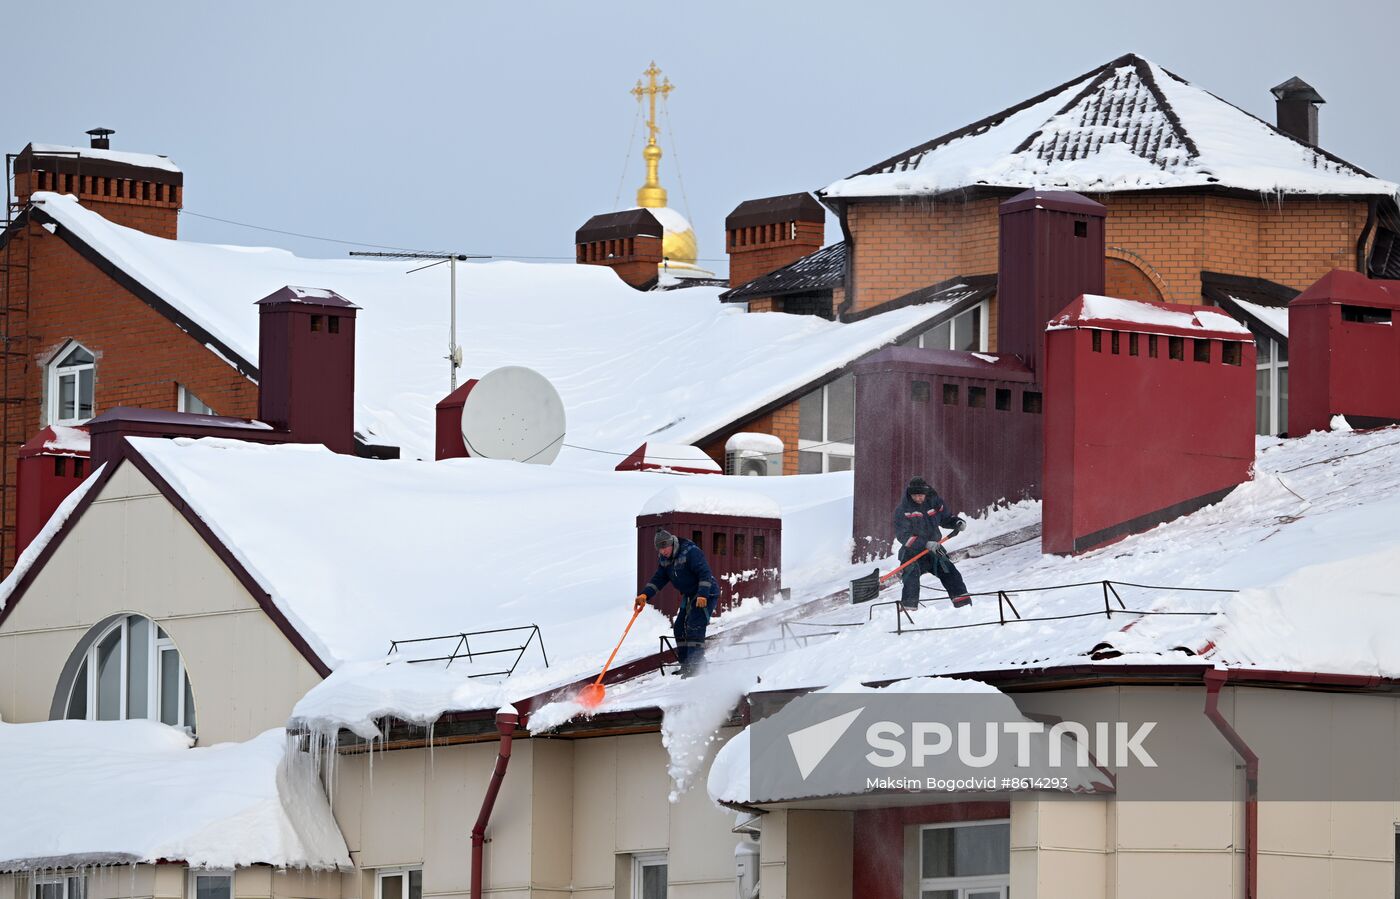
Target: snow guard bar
[462,649]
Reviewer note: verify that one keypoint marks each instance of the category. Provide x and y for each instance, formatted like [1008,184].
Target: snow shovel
[867,587]
[591,696]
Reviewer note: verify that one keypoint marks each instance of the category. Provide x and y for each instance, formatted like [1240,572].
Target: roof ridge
[992,120]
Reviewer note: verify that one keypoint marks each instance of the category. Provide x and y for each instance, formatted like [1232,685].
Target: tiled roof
[821,270]
[1127,125]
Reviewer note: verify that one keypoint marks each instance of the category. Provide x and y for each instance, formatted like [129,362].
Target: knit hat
[664,537]
[919,485]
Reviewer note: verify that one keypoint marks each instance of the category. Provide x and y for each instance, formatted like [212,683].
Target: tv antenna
[454,350]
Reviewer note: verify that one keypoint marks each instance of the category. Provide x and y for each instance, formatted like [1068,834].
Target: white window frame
[56,372]
[965,886]
[196,873]
[982,310]
[1278,420]
[826,446]
[643,860]
[399,871]
[185,401]
[66,880]
[157,644]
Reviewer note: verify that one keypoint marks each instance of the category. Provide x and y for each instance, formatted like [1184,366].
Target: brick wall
[144,205]
[141,355]
[758,250]
[1170,238]
[781,423]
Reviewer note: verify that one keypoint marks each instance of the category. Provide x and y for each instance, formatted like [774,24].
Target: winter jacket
[922,520]
[688,571]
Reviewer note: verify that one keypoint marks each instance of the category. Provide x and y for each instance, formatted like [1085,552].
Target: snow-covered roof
[1127,125]
[146,160]
[1274,317]
[123,792]
[549,545]
[674,367]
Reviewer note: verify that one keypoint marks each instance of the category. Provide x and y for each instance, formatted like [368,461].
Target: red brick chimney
[1052,250]
[764,235]
[138,190]
[306,361]
[628,242]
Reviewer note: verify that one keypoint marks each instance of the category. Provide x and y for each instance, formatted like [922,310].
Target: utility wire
[675,151]
[356,243]
[627,160]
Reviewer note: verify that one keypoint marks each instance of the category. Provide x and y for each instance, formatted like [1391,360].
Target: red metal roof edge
[39,443]
[1343,287]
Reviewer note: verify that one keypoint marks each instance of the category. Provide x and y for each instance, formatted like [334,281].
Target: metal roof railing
[462,649]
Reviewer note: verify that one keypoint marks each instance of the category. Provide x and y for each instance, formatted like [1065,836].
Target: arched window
[70,385]
[126,667]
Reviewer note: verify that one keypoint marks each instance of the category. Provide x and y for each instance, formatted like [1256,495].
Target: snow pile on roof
[67,439]
[104,792]
[672,366]
[706,500]
[148,160]
[675,456]
[1128,125]
[1276,317]
[750,442]
[475,543]
[1090,309]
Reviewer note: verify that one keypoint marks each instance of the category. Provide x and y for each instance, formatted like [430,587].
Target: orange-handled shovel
[591,696]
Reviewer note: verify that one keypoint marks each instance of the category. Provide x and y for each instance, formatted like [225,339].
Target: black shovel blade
[865,588]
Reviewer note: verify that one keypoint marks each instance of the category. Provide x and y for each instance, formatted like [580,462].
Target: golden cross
[650,90]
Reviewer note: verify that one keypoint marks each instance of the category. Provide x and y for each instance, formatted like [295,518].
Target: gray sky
[500,128]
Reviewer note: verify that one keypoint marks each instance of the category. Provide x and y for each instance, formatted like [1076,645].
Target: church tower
[626,241]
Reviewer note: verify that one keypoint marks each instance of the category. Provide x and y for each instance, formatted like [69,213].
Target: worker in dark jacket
[917,526]
[682,564]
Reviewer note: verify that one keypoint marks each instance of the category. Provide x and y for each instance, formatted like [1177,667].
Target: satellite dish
[513,413]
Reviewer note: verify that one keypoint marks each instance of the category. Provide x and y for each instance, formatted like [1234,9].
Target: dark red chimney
[1052,250]
[306,360]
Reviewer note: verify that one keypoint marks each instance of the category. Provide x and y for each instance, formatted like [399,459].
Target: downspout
[1215,679]
[1362,262]
[848,279]
[506,723]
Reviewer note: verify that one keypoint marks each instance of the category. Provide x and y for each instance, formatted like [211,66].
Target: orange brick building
[81,334]
[1205,201]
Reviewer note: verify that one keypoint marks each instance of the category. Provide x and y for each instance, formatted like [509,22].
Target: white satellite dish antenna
[513,413]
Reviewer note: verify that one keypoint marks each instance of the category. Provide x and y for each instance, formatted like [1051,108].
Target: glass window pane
[809,463]
[77,887]
[654,882]
[809,416]
[138,660]
[77,700]
[109,677]
[48,890]
[1282,398]
[169,687]
[973,851]
[1261,402]
[841,409]
[963,333]
[415,885]
[838,463]
[67,397]
[391,886]
[85,393]
[213,886]
[939,337]
[189,703]
[76,356]
[939,894]
[1281,350]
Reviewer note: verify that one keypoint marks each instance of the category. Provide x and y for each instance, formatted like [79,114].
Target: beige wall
[173,882]
[133,552]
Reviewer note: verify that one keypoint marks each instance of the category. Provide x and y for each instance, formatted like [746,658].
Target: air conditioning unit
[752,462]
[753,454]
